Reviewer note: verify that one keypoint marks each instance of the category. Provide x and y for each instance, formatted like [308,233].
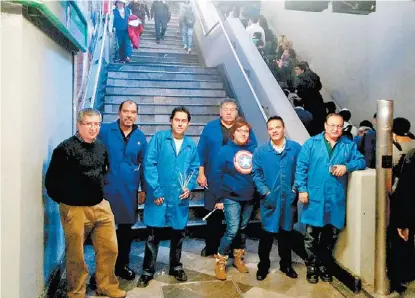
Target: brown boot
[116,293]
[220,268]
[238,260]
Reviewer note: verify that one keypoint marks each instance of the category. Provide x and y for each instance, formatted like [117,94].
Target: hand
[141,197]
[159,201]
[338,170]
[201,180]
[219,206]
[404,234]
[185,194]
[303,197]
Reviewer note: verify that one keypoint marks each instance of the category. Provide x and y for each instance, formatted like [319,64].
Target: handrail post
[384,118]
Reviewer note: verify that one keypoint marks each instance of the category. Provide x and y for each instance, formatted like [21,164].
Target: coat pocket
[269,201]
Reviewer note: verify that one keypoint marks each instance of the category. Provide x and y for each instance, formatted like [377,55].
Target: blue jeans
[161,27]
[237,215]
[187,35]
[124,44]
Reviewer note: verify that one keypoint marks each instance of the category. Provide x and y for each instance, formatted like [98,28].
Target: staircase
[159,78]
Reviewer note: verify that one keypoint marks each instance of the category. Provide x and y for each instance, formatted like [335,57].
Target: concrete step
[164,100]
[162,76]
[152,36]
[151,128]
[163,108]
[154,45]
[184,58]
[176,41]
[163,52]
[164,92]
[155,60]
[160,117]
[162,68]
[164,84]
[168,34]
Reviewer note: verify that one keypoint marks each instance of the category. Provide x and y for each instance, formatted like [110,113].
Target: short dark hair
[180,109]
[272,118]
[302,65]
[401,126]
[346,115]
[330,107]
[298,102]
[366,123]
[254,19]
[125,101]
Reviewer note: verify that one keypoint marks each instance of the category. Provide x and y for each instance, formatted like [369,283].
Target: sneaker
[157,41]
[312,276]
[127,60]
[185,48]
[189,50]
[143,281]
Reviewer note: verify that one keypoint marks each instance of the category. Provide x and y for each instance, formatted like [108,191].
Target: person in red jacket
[135,29]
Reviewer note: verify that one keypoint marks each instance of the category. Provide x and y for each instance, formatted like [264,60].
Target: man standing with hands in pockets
[321,180]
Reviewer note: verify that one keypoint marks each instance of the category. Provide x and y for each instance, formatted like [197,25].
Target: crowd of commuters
[121,21]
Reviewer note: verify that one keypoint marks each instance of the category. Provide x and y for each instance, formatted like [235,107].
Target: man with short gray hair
[75,180]
[214,136]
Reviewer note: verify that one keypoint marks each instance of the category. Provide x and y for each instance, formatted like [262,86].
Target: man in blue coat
[273,172]
[321,180]
[126,146]
[170,170]
[214,136]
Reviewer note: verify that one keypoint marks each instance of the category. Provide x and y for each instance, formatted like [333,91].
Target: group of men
[101,174]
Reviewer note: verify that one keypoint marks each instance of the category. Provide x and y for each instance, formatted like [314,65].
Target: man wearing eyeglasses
[214,136]
[321,180]
[126,145]
[75,180]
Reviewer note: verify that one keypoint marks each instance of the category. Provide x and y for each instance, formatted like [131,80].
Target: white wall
[360,59]
[36,114]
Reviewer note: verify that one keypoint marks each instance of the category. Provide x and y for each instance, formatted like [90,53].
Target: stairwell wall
[360,58]
[36,115]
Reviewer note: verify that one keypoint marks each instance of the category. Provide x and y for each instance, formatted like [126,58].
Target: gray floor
[202,282]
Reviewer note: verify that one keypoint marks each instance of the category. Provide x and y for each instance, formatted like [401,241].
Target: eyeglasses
[242,131]
[92,124]
[334,126]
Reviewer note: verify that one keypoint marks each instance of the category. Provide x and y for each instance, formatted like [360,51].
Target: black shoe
[180,275]
[261,275]
[125,273]
[289,271]
[312,276]
[93,282]
[143,281]
[157,41]
[206,253]
[325,275]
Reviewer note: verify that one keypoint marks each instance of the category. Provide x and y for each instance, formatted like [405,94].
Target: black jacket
[159,10]
[403,199]
[76,172]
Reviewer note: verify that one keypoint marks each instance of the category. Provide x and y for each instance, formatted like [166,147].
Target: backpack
[347,132]
[189,18]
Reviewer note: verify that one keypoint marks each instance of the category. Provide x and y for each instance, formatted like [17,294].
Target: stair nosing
[161,71]
[164,65]
[169,88]
[164,80]
[175,96]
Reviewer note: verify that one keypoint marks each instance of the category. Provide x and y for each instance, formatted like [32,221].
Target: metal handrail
[234,54]
[98,69]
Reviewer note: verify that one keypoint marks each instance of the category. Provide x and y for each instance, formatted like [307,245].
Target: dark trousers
[161,27]
[152,247]
[401,257]
[214,231]
[319,244]
[284,249]
[124,239]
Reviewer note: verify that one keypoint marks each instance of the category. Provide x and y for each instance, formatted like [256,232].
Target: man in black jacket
[140,9]
[160,13]
[75,180]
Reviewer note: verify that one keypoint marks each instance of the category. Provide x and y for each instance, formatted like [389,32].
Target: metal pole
[384,120]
